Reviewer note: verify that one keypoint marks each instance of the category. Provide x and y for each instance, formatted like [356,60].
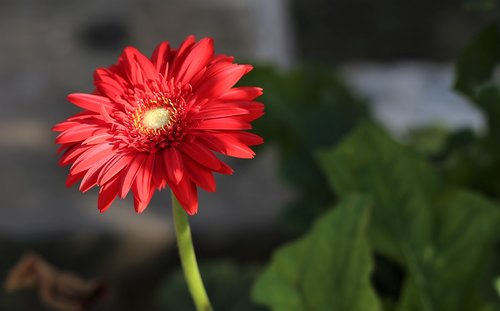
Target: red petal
[227,144]
[90,102]
[77,133]
[160,174]
[220,82]
[200,175]
[222,58]
[196,59]
[97,139]
[187,43]
[93,156]
[173,164]
[71,154]
[140,204]
[73,178]
[113,168]
[200,154]
[107,195]
[109,83]
[223,124]
[186,194]
[130,174]
[89,180]
[161,58]
[225,169]
[63,126]
[137,67]
[242,93]
[220,112]
[143,191]
[249,139]
[181,54]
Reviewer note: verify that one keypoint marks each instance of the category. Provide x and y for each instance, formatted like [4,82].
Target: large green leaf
[440,237]
[464,235]
[328,269]
[369,161]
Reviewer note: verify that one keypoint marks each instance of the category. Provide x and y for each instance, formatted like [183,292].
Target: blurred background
[323,64]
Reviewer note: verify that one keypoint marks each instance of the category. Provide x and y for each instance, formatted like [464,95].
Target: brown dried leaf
[58,290]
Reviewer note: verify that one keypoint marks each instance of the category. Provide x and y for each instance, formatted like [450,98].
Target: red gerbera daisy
[155,122]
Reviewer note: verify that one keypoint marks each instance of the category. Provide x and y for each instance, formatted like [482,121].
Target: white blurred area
[410,94]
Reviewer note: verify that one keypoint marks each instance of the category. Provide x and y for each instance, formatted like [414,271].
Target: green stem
[188,258]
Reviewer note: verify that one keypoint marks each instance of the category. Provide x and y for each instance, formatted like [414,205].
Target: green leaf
[328,269]
[440,237]
[468,226]
[370,162]
[477,62]
[461,250]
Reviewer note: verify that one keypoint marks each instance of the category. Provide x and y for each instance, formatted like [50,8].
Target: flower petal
[137,67]
[90,102]
[113,168]
[107,194]
[200,175]
[217,83]
[109,83]
[196,59]
[161,57]
[71,154]
[91,157]
[223,124]
[242,93]
[200,154]
[227,144]
[143,191]
[173,164]
[130,174]
[186,194]
[78,133]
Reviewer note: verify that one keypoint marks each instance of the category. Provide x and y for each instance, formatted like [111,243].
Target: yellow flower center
[156,118]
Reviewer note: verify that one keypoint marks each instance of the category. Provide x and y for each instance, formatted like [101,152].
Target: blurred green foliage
[306,108]
[472,159]
[442,237]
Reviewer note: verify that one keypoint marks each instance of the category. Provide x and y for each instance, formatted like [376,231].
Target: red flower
[155,122]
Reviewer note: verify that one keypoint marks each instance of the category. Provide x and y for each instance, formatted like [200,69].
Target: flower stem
[188,258]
